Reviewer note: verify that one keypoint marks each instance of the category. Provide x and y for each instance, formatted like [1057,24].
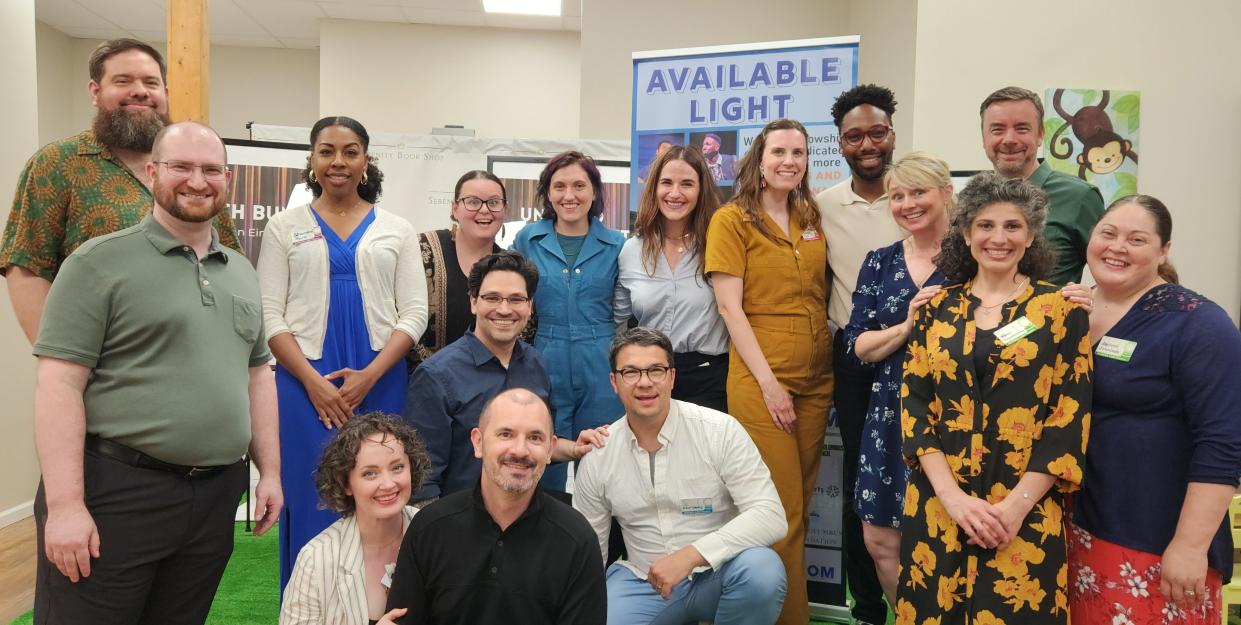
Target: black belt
[135,458]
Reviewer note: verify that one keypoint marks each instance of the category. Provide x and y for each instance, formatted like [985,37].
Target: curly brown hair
[341,456]
[955,260]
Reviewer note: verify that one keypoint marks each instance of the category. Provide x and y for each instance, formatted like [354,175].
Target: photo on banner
[267,179]
[717,99]
[1093,134]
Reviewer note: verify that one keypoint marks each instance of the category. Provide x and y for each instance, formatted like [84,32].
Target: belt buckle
[195,472]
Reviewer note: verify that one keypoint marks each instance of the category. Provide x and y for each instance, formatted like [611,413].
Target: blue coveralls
[575,327]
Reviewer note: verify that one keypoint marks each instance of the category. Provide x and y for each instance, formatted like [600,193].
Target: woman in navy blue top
[1164,458]
[894,281]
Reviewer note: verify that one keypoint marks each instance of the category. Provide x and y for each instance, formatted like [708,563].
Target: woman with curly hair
[994,416]
[661,283]
[344,300]
[768,264]
[368,472]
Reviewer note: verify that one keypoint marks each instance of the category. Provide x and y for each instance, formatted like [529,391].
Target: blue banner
[717,99]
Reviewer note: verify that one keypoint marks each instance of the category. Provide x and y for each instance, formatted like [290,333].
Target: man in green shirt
[92,183]
[153,381]
[1012,131]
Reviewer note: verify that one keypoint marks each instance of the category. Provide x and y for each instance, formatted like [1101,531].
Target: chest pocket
[247,322]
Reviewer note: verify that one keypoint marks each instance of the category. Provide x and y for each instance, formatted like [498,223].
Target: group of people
[431,390]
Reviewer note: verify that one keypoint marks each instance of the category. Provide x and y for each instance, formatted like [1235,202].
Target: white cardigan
[294,275]
[328,585]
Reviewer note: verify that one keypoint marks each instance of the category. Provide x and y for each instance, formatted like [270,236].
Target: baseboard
[16,513]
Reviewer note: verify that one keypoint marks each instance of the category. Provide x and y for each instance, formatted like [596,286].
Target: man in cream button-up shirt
[694,501]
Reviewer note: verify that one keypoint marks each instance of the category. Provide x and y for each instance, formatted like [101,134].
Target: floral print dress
[1033,415]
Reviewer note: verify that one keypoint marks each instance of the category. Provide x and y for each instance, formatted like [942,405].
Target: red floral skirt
[1114,585]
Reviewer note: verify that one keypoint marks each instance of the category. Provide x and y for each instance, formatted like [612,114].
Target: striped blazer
[327,585]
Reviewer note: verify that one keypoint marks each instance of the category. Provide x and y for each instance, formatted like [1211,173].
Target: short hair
[1163,226]
[921,170]
[648,225]
[373,188]
[954,259]
[477,174]
[159,137]
[881,98]
[113,47]
[542,191]
[485,415]
[713,136]
[340,457]
[1013,94]
[503,261]
[641,336]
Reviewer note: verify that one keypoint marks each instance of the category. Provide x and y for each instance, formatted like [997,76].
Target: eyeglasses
[876,133]
[494,299]
[655,374]
[475,204]
[182,169]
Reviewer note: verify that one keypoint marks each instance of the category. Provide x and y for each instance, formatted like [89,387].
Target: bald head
[187,130]
[515,400]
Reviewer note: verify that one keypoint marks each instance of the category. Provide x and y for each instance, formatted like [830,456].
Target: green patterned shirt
[72,191]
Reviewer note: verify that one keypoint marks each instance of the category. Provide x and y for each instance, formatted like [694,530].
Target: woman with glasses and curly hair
[368,472]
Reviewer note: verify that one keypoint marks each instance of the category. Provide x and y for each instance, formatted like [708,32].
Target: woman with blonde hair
[661,283]
[894,282]
[767,260]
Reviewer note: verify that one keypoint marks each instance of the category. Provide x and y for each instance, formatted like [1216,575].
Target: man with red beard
[92,183]
[152,383]
[1012,131]
[856,220]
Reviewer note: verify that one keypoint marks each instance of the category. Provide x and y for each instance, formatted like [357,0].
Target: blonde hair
[920,170]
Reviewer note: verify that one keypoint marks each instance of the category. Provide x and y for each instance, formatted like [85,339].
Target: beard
[870,174]
[135,131]
[167,199]
[514,485]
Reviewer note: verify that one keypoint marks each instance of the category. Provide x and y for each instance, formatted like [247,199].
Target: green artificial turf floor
[249,591]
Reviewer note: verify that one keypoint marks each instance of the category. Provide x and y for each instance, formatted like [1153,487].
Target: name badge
[810,234]
[696,506]
[1116,349]
[1015,331]
[307,236]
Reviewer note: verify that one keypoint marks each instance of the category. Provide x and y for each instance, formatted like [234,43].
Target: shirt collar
[532,510]
[1040,174]
[850,197]
[165,242]
[88,144]
[668,432]
[481,355]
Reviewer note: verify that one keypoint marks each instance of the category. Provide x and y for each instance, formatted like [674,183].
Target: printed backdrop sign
[718,98]
[1093,134]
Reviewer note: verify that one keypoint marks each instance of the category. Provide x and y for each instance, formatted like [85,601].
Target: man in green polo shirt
[1012,131]
[92,183]
[153,381]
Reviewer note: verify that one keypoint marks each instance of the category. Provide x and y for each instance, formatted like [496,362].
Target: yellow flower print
[1085,430]
[943,365]
[905,613]
[1066,468]
[1014,559]
[1017,426]
[1063,413]
[935,410]
[924,557]
[959,310]
[1052,521]
[997,494]
[985,617]
[907,424]
[911,499]
[1020,591]
[947,593]
[937,332]
[1018,459]
[1020,353]
[1051,306]
[918,363]
[964,411]
[1003,371]
[956,462]
[1062,598]
[1083,362]
[940,524]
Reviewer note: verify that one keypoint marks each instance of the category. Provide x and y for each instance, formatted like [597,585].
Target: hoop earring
[365,179]
[452,232]
[762,181]
[312,178]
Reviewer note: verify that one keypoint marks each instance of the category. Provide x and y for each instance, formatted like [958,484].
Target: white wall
[888,29]
[19,473]
[612,31]
[57,97]
[1183,58]
[412,77]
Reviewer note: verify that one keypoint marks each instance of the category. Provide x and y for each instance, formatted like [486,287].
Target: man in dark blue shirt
[448,391]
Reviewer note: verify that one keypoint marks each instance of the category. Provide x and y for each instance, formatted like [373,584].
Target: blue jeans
[749,590]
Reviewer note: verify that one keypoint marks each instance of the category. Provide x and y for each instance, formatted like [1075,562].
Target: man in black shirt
[504,552]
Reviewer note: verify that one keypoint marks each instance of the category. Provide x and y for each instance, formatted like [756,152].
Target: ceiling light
[523,7]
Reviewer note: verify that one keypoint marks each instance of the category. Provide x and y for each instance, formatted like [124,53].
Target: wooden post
[189,60]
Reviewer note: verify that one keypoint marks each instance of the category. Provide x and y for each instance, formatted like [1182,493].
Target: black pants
[702,379]
[164,541]
[851,397]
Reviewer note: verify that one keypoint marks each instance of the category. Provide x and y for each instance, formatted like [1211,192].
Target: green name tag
[1116,349]
[1015,331]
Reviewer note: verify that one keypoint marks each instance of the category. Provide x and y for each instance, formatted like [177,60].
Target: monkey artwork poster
[1093,134]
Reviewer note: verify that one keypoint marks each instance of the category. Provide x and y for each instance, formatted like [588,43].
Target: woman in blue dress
[577,260]
[894,282]
[344,299]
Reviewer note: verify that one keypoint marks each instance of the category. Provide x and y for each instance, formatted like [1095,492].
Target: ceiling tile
[300,43]
[445,5]
[129,14]
[363,12]
[285,18]
[446,17]
[100,31]
[228,20]
[536,22]
[246,41]
[67,14]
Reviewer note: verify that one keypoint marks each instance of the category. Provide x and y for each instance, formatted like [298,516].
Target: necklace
[680,242]
[1020,285]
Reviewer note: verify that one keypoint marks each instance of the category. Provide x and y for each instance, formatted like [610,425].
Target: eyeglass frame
[512,300]
[864,134]
[621,373]
[464,202]
[195,167]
